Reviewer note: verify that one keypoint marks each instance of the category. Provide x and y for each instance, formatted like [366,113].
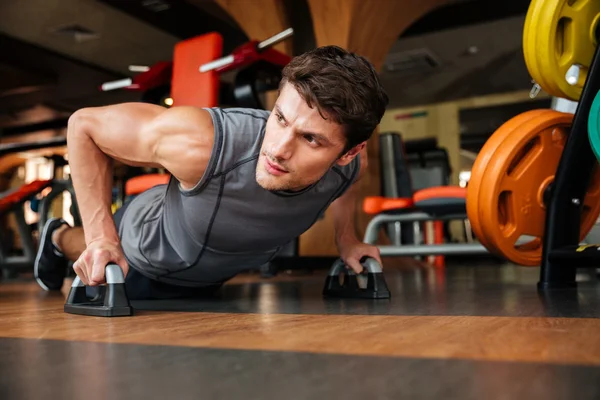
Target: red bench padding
[439,192]
[23,193]
[139,184]
[377,204]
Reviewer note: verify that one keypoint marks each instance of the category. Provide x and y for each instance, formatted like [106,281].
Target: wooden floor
[464,332]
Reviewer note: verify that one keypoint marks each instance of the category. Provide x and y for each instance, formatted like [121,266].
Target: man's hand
[91,264]
[353,251]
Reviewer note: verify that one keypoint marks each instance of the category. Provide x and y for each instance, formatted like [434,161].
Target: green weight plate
[594,126]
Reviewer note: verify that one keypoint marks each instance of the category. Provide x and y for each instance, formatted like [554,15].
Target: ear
[351,154]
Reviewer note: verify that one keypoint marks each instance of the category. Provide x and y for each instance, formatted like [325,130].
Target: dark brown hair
[343,86]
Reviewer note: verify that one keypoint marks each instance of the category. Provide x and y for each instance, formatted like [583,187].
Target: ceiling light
[77,32]
[156,5]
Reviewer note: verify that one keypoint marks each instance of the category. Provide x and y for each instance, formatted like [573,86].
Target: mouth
[274,169]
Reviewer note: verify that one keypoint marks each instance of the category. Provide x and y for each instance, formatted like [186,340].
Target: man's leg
[51,263]
[69,241]
[140,287]
[59,244]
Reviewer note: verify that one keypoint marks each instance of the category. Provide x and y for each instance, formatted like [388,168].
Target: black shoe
[50,266]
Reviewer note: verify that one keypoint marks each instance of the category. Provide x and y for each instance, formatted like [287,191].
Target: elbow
[79,123]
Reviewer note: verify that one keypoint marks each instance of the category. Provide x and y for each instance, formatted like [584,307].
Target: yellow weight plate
[534,37]
[529,42]
[559,35]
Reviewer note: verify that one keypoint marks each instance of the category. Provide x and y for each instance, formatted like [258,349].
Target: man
[244,182]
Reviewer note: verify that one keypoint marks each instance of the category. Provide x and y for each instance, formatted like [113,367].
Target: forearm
[343,210]
[91,171]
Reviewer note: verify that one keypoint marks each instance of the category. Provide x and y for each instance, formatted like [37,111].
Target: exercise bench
[399,205]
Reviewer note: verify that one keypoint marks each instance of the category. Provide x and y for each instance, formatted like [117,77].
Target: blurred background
[454,71]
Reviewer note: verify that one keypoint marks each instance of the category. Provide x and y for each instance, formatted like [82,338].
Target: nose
[283,147]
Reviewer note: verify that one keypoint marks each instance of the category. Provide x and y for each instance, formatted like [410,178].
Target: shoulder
[239,133]
[183,119]
[232,118]
[224,121]
[241,129]
[244,113]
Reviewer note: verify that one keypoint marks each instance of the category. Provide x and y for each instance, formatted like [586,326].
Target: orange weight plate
[512,212]
[481,162]
[517,174]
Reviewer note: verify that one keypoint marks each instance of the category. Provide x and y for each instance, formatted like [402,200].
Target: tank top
[227,223]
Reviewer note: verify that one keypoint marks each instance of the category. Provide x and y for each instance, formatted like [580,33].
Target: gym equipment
[510,183]
[21,147]
[478,169]
[376,287]
[566,214]
[400,206]
[16,197]
[180,78]
[429,168]
[559,39]
[112,301]
[155,76]
[258,78]
[13,202]
[141,183]
[251,52]
[188,87]
[594,126]
[260,69]
[38,126]
[57,187]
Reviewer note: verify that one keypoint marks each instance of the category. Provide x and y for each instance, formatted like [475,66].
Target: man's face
[299,145]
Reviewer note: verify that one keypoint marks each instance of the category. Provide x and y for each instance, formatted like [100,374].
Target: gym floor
[463,332]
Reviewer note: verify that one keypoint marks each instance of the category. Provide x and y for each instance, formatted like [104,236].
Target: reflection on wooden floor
[28,312]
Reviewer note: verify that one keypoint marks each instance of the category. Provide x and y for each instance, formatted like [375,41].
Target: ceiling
[56,53]
[462,62]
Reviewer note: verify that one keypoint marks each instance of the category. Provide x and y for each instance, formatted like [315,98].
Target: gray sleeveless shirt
[227,223]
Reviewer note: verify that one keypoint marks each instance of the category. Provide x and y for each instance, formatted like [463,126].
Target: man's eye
[311,139]
[279,117]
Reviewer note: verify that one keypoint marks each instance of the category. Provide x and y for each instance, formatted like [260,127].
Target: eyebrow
[317,135]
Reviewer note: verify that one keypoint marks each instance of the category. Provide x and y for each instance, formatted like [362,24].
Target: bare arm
[178,139]
[342,209]
[351,249]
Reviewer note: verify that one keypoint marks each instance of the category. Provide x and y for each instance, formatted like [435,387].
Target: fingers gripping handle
[111,302]
[369,264]
[113,273]
[376,287]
